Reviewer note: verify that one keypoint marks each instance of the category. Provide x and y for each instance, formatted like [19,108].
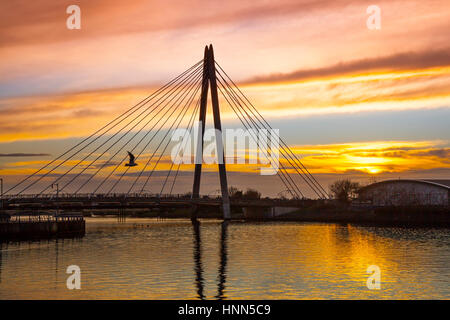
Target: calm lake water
[150,259]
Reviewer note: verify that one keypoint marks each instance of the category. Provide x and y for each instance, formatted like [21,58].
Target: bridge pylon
[209,80]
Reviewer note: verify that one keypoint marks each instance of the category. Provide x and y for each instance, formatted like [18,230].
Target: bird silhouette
[131,163]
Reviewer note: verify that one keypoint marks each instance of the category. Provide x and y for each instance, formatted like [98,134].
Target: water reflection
[198,266]
[1,260]
[57,261]
[198,259]
[223,261]
[180,259]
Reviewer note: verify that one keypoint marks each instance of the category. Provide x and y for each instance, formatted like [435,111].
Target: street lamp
[286,191]
[1,193]
[57,189]
[217,192]
[57,195]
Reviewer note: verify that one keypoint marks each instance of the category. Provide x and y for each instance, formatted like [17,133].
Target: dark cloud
[28,128]
[86,113]
[59,175]
[158,173]
[435,173]
[104,164]
[440,153]
[27,108]
[355,172]
[443,153]
[15,155]
[400,61]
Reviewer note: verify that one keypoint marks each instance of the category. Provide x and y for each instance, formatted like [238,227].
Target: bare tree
[344,190]
[235,193]
[252,194]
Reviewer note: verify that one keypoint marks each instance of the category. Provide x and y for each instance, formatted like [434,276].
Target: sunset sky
[353,102]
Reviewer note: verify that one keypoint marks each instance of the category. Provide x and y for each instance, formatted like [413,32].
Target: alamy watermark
[374,20]
[374,280]
[241,147]
[74,20]
[74,280]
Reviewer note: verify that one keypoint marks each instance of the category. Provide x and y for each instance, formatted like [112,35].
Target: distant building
[403,192]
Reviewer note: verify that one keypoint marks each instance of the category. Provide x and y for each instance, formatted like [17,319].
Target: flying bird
[131,163]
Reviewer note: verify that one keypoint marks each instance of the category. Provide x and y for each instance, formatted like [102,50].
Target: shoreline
[388,216]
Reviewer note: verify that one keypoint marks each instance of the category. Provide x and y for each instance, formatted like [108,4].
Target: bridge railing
[27,218]
[142,197]
[89,196]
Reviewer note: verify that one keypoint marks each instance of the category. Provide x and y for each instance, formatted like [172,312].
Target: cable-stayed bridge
[95,171]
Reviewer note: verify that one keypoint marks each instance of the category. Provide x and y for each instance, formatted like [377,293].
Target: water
[150,259]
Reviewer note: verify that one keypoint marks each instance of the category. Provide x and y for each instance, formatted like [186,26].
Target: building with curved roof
[406,192]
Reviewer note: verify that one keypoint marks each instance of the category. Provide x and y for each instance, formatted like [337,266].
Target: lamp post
[57,195]
[217,192]
[57,189]
[1,193]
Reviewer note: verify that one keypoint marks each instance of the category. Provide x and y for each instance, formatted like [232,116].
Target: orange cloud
[77,114]
[363,92]
[399,61]
[358,160]
[376,157]
[27,23]
[64,115]
[302,57]
[369,157]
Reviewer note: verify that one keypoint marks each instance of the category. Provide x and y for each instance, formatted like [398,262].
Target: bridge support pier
[209,79]
[121,217]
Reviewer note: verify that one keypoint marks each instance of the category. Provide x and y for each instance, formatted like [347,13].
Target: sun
[369,170]
[373,170]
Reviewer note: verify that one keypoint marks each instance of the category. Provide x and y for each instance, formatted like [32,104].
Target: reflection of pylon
[209,79]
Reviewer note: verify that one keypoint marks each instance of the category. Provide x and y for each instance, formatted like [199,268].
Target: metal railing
[42,218]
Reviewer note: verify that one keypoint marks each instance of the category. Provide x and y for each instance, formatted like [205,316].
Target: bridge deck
[81,202]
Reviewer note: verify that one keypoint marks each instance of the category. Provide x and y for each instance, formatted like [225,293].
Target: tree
[344,190]
[187,195]
[252,194]
[234,193]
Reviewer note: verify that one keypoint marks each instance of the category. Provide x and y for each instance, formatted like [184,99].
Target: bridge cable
[290,185]
[151,139]
[309,174]
[176,103]
[250,119]
[294,165]
[139,106]
[191,90]
[183,98]
[313,181]
[68,171]
[284,177]
[104,127]
[124,145]
[183,142]
[282,154]
[255,124]
[178,167]
[168,142]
